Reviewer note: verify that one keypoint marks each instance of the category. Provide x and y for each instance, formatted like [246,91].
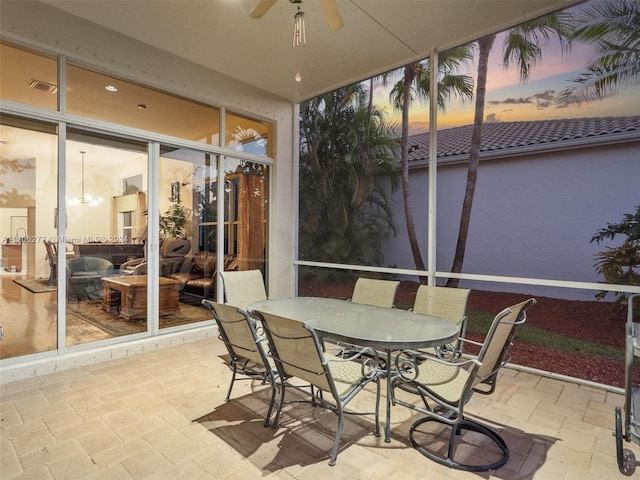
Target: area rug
[36,285]
[112,324]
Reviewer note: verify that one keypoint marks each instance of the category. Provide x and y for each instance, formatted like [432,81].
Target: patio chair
[447,303]
[445,387]
[369,291]
[298,353]
[380,293]
[243,287]
[246,347]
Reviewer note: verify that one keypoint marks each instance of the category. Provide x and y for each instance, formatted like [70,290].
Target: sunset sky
[508,100]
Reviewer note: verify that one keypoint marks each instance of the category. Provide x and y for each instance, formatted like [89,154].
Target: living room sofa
[198,273]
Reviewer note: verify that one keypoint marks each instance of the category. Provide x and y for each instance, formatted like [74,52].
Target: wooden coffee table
[130,292]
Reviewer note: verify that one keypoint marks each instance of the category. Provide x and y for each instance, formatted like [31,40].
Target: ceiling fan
[329,10]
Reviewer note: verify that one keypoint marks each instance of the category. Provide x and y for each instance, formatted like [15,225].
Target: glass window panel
[246,135]
[28,219]
[28,77]
[111,99]
[106,204]
[246,215]
[188,236]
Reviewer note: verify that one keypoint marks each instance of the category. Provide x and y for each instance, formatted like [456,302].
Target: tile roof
[523,136]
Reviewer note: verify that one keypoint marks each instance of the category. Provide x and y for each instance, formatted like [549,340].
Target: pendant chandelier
[85,199]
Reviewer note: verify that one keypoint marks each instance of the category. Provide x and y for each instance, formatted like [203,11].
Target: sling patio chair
[298,353]
[445,387]
[243,287]
[246,347]
[370,291]
[380,293]
[447,303]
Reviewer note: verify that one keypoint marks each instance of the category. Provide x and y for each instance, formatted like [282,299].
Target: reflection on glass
[28,77]
[106,273]
[246,135]
[188,249]
[111,99]
[28,198]
[245,196]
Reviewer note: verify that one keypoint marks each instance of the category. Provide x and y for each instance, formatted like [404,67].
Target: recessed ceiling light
[111,88]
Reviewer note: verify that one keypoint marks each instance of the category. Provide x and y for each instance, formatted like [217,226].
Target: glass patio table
[384,329]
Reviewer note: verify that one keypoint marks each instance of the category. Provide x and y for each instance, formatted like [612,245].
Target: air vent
[43,86]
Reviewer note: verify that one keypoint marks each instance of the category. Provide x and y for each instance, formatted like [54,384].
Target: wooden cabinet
[128,221]
[12,256]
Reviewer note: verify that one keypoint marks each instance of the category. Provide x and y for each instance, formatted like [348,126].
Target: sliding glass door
[28,221]
[187,255]
[105,241]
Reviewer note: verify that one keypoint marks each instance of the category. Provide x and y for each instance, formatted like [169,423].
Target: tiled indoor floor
[162,415]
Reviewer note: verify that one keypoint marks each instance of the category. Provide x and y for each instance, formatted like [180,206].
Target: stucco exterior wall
[533,216]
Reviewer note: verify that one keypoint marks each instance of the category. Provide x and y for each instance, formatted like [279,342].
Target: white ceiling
[378,35]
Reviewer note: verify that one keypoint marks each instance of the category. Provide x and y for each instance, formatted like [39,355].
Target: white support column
[61,237]
[433,169]
[153,238]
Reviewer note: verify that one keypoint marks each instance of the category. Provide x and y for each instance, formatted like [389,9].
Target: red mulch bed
[597,322]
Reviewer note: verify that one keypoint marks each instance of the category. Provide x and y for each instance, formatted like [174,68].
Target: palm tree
[522,46]
[344,212]
[613,27]
[414,84]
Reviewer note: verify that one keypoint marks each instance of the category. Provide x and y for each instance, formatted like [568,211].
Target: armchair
[172,253]
[445,387]
[84,276]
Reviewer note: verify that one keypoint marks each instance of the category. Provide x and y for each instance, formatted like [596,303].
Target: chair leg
[267,420]
[377,412]
[336,442]
[282,389]
[233,379]
[456,430]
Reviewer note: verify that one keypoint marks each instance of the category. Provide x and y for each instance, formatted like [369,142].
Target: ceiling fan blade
[331,14]
[261,8]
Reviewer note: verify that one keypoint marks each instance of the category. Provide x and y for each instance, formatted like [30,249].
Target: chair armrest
[408,363]
[367,358]
[472,342]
